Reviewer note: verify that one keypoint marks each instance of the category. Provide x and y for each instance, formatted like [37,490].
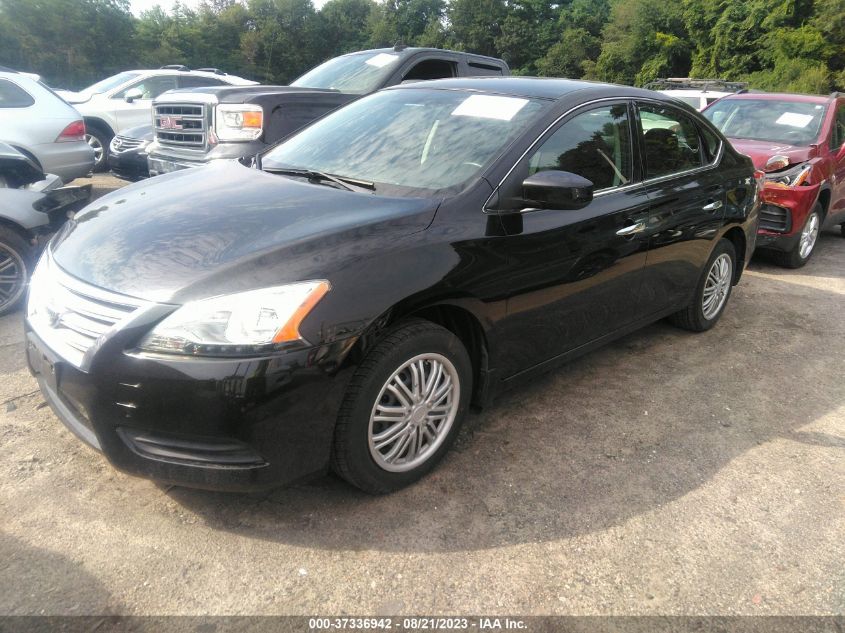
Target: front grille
[70,315]
[180,124]
[124,143]
[775,218]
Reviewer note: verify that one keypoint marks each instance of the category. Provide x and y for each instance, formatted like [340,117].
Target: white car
[699,93]
[44,128]
[125,100]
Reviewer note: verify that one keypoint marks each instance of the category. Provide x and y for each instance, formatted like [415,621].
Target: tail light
[73,132]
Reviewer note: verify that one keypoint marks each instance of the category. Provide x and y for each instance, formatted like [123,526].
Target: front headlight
[238,122]
[238,324]
[790,177]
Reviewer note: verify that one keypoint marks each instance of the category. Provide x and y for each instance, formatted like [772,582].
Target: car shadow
[824,261]
[619,433]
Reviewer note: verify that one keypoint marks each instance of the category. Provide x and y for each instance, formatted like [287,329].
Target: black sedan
[344,299]
[128,153]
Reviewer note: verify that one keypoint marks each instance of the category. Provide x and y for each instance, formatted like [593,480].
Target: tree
[474,25]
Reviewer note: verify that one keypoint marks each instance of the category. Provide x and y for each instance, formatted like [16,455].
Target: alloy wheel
[809,236]
[717,286]
[414,412]
[95,144]
[12,276]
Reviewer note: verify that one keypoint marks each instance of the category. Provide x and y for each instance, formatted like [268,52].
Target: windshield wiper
[349,184]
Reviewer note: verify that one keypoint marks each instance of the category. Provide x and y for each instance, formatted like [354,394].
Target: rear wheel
[14,269]
[98,140]
[803,250]
[403,408]
[712,292]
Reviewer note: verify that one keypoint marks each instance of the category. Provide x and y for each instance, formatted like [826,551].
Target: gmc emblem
[170,123]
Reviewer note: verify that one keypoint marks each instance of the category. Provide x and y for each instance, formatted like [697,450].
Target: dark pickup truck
[196,126]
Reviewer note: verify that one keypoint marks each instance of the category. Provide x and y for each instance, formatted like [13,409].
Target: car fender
[20,207]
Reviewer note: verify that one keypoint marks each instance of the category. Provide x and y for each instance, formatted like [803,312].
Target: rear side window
[431,69]
[13,96]
[711,144]
[671,141]
[481,70]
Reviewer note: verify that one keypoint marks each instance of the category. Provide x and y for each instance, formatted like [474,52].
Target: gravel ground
[668,473]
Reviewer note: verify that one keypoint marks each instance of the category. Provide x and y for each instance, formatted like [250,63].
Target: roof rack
[399,46]
[216,71]
[686,83]
[181,67]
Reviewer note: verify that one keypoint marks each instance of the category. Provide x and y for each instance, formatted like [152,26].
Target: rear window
[13,96]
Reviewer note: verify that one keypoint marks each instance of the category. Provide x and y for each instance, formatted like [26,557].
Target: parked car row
[362,256]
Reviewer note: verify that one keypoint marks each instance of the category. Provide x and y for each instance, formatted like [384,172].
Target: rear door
[687,198]
[575,275]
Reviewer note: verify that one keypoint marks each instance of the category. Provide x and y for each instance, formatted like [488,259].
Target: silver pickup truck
[196,126]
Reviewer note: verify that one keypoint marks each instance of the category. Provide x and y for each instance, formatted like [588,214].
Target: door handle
[713,206]
[639,227]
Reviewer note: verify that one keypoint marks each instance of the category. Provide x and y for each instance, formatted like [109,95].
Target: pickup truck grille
[181,124]
[70,315]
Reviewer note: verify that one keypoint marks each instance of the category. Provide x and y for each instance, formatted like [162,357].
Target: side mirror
[557,190]
[132,94]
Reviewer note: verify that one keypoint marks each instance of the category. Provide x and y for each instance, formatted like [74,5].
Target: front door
[574,275]
[139,111]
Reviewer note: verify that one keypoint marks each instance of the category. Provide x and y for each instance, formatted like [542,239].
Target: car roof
[412,50]
[694,92]
[533,87]
[200,73]
[779,96]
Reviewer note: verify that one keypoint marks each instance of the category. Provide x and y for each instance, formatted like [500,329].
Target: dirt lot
[669,473]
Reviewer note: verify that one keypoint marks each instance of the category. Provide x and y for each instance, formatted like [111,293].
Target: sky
[138,6]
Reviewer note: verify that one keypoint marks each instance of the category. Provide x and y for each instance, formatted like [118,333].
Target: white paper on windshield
[490,107]
[382,59]
[794,119]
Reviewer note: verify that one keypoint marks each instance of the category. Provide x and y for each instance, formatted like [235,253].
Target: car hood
[762,151]
[225,228]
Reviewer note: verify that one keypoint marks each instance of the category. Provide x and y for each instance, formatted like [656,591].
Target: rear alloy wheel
[98,141]
[14,269]
[712,292]
[403,408]
[807,240]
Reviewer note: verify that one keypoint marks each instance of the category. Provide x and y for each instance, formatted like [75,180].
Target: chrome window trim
[631,100]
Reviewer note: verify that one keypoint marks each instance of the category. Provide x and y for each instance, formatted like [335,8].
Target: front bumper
[165,159]
[784,212]
[131,165]
[233,424]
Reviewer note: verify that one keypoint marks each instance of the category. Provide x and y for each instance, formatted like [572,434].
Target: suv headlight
[792,177]
[239,324]
[238,122]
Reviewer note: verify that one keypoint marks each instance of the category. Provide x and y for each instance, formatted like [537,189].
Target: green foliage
[796,45]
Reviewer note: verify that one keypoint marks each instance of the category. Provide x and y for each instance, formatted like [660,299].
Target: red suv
[799,142]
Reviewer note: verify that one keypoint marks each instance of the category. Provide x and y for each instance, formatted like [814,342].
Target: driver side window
[595,145]
[837,137]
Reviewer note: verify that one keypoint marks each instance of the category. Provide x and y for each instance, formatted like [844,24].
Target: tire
[701,315]
[99,141]
[356,454]
[15,268]
[800,255]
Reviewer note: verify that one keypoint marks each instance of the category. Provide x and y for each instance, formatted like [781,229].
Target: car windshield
[360,73]
[790,122]
[409,139]
[110,82]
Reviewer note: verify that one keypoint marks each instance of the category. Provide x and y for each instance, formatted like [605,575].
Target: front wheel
[98,141]
[803,250]
[14,269]
[403,408]
[712,292]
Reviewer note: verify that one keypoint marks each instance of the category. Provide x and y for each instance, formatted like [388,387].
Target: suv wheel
[14,269]
[712,292]
[403,408]
[99,141]
[803,250]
